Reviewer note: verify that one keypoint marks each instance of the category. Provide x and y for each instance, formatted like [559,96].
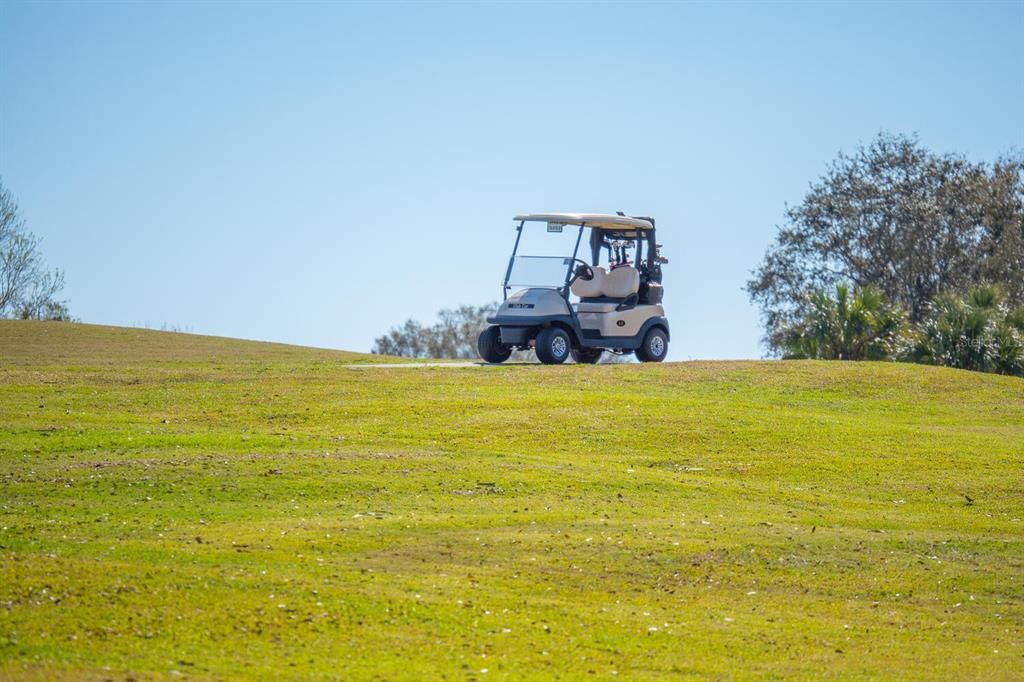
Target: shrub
[857,326]
[977,332]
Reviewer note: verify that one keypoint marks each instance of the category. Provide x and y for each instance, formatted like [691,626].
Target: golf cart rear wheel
[586,356]
[553,346]
[655,346]
[490,347]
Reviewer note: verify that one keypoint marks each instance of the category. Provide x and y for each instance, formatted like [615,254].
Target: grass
[175,505]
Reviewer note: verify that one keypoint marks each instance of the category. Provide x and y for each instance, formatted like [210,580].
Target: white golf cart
[616,309]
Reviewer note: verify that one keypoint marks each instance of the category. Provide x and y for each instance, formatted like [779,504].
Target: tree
[978,332]
[27,288]
[857,326]
[408,341]
[893,215]
[454,335]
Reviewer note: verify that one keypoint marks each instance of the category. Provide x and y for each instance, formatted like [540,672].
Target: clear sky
[315,173]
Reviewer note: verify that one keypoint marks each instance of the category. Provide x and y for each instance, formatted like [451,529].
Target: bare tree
[407,341]
[454,335]
[27,288]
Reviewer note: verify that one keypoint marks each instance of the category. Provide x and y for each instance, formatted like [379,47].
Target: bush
[978,332]
[861,326]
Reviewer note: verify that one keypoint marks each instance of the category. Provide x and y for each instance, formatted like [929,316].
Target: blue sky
[315,173]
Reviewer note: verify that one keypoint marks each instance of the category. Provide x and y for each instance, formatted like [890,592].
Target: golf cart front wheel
[490,347]
[553,346]
[655,346]
[586,356]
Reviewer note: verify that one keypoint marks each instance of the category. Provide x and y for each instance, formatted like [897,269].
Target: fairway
[181,506]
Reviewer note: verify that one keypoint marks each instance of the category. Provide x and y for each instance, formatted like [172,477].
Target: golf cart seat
[590,288]
[622,282]
[608,290]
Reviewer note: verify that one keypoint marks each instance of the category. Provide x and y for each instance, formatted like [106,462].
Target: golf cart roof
[599,221]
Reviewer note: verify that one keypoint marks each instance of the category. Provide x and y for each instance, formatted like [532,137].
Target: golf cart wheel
[655,346]
[490,347]
[586,356]
[553,346]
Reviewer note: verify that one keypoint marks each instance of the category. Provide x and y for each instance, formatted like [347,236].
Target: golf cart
[616,309]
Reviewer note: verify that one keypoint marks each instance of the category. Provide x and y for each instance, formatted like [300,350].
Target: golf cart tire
[586,356]
[654,347]
[553,345]
[490,347]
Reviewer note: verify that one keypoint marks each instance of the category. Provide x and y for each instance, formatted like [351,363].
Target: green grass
[179,505]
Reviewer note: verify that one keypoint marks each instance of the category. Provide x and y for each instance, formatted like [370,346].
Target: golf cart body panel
[614,323]
[618,309]
[535,302]
[593,339]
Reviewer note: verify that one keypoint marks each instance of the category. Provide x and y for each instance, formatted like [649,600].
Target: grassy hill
[173,505]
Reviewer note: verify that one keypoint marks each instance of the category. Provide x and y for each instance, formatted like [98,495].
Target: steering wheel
[582,271]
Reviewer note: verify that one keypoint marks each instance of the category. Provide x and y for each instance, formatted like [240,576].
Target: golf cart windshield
[544,256]
[539,271]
